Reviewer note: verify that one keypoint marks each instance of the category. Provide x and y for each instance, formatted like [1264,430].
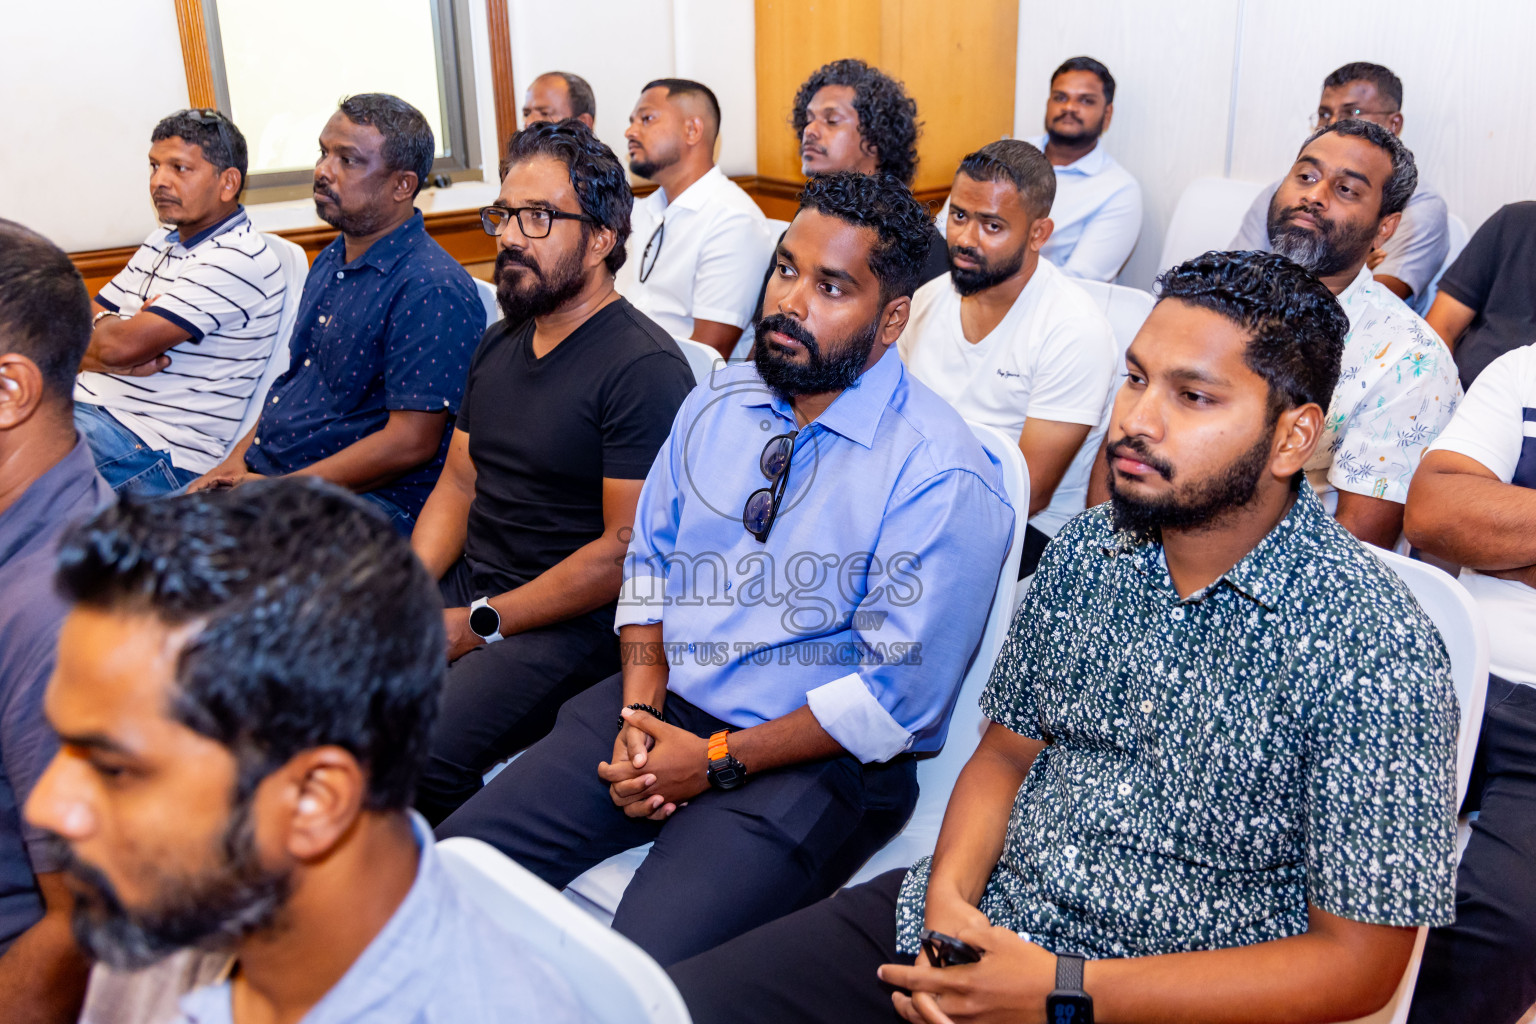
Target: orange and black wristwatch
[725,772]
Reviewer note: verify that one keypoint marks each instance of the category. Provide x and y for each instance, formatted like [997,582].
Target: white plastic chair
[1207,217]
[488,299]
[616,981]
[1462,629]
[1126,309]
[295,266]
[702,359]
[599,889]
[1458,235]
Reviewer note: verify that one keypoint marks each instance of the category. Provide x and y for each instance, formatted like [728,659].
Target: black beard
[355,224]
[983,276]
[211,911]
[1329,250]
[819,375]
[545,294]
[1081,136]
[646,168]
[1198,505]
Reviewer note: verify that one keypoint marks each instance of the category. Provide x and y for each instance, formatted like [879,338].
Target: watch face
[1068,1009]
[728,776]
[484,621]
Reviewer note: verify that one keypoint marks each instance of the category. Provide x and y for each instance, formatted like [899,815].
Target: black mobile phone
[946,950]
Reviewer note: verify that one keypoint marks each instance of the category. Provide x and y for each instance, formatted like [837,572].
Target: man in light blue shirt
[245,685]
[1097,211]
[815,552]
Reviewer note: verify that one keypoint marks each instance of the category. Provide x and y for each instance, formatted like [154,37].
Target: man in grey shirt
[245,685]
[1408,261]
[47,479]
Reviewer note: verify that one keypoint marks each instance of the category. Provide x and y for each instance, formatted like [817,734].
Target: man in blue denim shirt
[384,332]
[814,554]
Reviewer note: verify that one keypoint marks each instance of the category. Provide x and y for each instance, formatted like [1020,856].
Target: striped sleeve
[218,290]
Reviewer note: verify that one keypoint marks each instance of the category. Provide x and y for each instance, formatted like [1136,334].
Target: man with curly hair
[1180,781]
[853,117]
[766,732]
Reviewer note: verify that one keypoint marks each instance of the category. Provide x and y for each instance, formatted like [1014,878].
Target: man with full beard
[243,694]
[568,400]
[1011,341]
[814,554]
[1183,780]
[384,331]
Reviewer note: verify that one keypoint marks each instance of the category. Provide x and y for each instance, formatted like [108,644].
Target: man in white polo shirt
[1009,340]
[698,243]
[1473,502]
[184,331]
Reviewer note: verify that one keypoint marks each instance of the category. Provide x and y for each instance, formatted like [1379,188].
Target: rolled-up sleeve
[941,548]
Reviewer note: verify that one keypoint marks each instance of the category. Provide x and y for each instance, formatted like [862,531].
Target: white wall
[618,47]
[1190,71]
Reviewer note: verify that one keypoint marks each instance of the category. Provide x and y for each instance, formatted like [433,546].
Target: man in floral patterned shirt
[1220,762]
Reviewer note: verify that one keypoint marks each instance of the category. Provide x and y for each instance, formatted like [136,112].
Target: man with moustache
[1097,212]
[557,95]
[384,331]
[568,400]
[183,332]
[766,728]
[1178,807]
[1398,386]
[245,686]
[1011,341]
[698,238]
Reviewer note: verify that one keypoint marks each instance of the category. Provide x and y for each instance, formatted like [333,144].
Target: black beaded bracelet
[637,706]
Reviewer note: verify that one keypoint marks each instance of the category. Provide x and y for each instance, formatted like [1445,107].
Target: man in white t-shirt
[1009,340]
[183,332]
[698,243]
[1473,502]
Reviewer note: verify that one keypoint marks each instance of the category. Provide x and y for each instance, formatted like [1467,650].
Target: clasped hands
[656,767]
[1009,984]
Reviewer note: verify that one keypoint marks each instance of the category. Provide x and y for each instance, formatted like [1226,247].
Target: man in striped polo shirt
[184,331]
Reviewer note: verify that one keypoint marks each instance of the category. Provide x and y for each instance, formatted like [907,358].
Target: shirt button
[1124,789]
[306,362]
[258,440]
[1146,707]
[274,399]
[340,276]
[322,318]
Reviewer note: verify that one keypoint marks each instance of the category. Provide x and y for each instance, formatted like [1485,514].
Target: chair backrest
[1458,235]
[1207,217]
[295,266]
[773,229]
[702,359]
[936,775]
[616,981]
[488,300]
[1126,309]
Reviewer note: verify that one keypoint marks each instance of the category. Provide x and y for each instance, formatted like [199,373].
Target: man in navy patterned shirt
[1220,762]
[385,328]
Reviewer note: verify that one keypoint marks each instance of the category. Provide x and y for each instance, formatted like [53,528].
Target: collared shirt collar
[1089,164]
[1263,573]
[383,254]
[232,221]
[855,414]
[698,194]
[55,490]
[1360,283]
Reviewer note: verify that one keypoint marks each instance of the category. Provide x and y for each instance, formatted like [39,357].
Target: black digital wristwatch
[1069,1004]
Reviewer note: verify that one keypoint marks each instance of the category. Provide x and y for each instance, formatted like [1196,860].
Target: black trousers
[815,966]
[503,697]
[724,864]
[1483,967]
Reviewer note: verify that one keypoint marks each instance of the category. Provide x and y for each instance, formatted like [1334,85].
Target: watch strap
[495,634]
[719,746]
[1069,972]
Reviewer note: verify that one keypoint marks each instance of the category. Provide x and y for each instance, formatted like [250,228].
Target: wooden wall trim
[503,87]
[194,53]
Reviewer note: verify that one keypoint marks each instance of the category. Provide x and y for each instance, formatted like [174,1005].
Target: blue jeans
[399,518]
[126,462]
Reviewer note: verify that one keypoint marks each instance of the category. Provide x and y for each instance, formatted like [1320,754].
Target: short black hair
[882,202]
[1089,64]
[887,115]
[210,131]
[602,187]
[1399,186]
[1015,161]
[45,311]
[689,87]
[408,141]
[318,625]
[582,99]
[1297,327]
[1388,86]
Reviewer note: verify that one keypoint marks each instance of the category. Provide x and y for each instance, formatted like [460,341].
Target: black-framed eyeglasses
[762,506]
[652,251]
[1323,119]
[534,221]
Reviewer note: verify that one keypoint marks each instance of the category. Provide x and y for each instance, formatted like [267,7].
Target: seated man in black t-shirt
[568,400]
[1487,300]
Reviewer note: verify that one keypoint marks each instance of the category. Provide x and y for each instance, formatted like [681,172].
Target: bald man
[698,243]
[557,95]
